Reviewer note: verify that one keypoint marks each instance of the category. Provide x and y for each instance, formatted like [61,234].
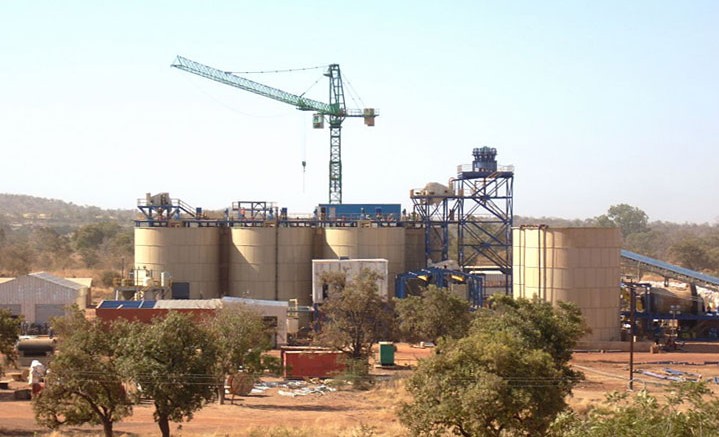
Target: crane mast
[335,110]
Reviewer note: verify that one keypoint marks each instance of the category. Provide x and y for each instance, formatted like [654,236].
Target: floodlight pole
[632,323]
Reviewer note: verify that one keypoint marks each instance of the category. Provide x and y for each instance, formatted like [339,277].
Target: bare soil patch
[338,413]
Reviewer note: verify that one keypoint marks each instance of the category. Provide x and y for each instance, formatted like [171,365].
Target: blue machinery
[410,283]
[650,315]
[479,204]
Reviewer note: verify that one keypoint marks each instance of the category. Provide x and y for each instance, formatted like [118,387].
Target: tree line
[498,371]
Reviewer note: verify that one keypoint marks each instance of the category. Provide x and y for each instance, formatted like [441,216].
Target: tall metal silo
[579,265]
[253,262]
[294,264]
[190,255]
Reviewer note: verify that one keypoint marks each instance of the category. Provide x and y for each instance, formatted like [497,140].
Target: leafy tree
[436,313]
[509,376]
[692,253]
[17,259]
[241,337]
[689,409]
[173,361]
[354,316]
[630,219]
[9,333]
[83,384]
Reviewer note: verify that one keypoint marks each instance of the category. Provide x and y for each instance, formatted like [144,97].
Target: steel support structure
[481,209]
[337,102]
[485,214]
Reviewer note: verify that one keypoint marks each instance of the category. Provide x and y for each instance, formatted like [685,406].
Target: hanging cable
[288,70]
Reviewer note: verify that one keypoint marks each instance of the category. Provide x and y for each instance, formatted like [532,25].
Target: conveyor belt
[671,271]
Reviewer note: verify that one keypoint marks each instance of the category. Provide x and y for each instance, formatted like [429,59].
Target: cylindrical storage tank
[386,243]
[190,255]
[368,243]
[253,263]
[579,265]
[414,253]
[341,243]
[295,264]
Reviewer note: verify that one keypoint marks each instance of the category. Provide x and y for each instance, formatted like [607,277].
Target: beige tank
[253,253]
[190,255]
[580,265]
[414,256]
[271,263]
[295,265]
[368,243]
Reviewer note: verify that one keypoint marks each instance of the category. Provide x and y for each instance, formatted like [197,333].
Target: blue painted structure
[671,271]
[407,284]
[359,211]
[480,203]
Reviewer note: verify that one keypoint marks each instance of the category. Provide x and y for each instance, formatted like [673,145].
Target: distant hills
[18,210]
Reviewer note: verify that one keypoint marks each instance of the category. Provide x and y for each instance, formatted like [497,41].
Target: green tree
[173,361]
[241,338]
[83,384]
[692,253]
[436,313]
[689,409]
[354,316]
[17,259]
[629,219]
[509,376]
[9,333]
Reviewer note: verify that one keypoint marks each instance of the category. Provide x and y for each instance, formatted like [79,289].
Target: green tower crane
[335,110]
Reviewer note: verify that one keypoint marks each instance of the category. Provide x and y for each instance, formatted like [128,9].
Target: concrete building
[579,265]
[41,296]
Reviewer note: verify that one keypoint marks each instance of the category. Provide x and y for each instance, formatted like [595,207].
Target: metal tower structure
[478,203]
[335,110]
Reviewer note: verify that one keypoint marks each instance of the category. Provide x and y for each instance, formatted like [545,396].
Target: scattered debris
[293,388]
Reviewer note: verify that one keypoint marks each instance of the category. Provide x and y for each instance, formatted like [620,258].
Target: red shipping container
[312,364]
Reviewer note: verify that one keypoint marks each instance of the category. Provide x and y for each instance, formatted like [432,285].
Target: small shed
[41,296]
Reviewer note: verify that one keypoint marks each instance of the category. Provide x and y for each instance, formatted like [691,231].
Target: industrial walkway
[671,271]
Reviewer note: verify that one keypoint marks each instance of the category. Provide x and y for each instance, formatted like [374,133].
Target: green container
[386,353]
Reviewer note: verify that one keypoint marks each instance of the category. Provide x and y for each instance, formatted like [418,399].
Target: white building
[40,296]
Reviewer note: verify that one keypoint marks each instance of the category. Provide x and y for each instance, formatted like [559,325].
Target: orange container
[299,364]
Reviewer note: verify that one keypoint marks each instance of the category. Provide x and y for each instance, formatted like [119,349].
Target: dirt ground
[341,412]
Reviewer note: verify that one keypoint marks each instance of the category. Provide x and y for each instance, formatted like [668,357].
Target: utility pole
[632,323]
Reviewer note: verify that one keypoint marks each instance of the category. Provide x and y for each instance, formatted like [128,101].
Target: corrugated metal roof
[56,280]
[255,302]
[85,282]
[184,304]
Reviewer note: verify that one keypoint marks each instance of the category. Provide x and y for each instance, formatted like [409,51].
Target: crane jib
[335,110]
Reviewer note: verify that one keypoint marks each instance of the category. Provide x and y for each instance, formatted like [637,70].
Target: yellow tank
[190,255]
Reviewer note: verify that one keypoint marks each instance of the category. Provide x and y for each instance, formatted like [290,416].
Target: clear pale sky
[594,103]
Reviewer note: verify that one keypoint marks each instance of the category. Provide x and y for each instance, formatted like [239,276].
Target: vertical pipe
[544,262]
[539,262]
[277,262]
[632,311]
